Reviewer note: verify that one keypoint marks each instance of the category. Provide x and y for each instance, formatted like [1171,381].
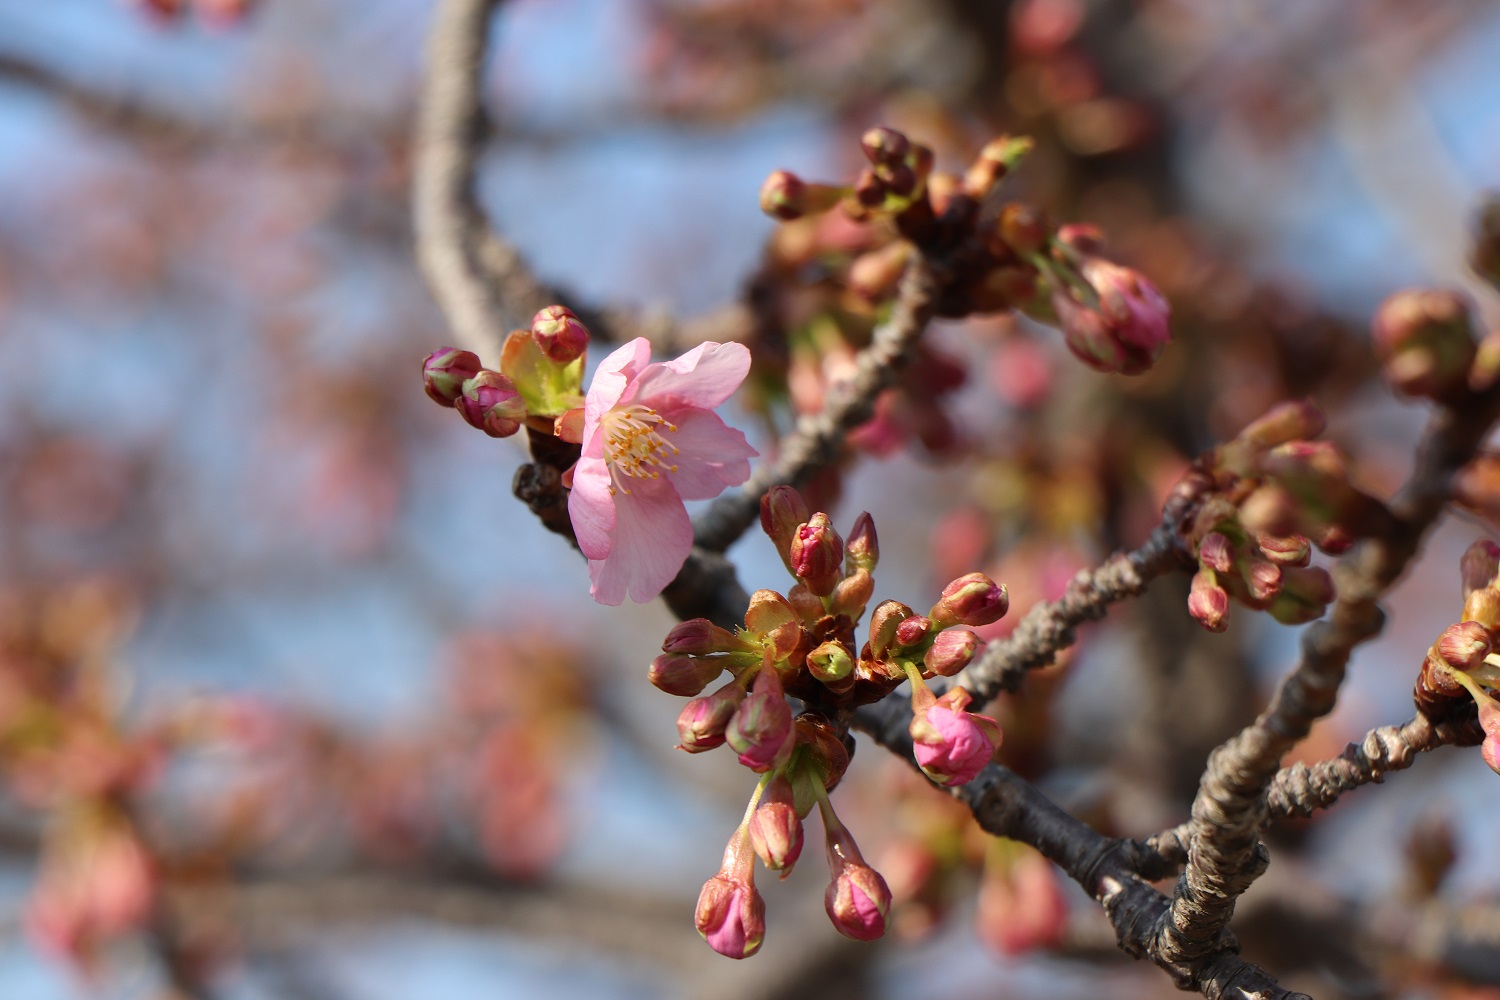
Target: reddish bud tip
[731,916]
[1216,552]
[817,555]
[445,371]
[858,902]
[951,744]
[491,403]
[1480,565]
[885,146]
[782,512]
[683,676]
[1464,646]
[973,599]
[1208,602]
[701,724]
[560,334]
[761,731]
[951,651]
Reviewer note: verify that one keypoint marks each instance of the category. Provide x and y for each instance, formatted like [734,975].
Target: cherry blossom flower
[651,441]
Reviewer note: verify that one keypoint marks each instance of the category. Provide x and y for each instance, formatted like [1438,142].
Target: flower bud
[952,745]
[951,651]
[1479,565]
[1305,595]
[875,272]
[1425,341]
[490,402]
[809,606]
[972,599]
[684,676]
[1262,580]
[817,555]
[1489,721]
[852,594]
[1483,606]
[445,371]
[1298,420]
[1464,646]
[858,902]
[1216,552]
[782,512]
[1436,693]
[761,731]
[1023,228]
[869,190]
[1285,550]
[1126,331]
[775,829]
[884,620]
[560,334]
[774,620]
[883,146]
[731,916]
[862,550]
[1208,602]
[786,196]
[701,637]
[994,163]
[830,662]
[701,724]
[825,749]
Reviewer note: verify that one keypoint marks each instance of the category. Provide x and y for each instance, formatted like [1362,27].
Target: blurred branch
[1225,854]
[820,437]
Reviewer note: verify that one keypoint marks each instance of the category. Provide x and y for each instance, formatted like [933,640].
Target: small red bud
[560,334]
[683,676]
[817,555]
[884,146]
[1425,341]
[1464,646]
[951,651]
[972,599]
[491,403]
[782,512]
[1208,602]
[445,371]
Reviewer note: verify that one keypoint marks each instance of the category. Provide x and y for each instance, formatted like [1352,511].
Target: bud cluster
[1424,339]
[802,644]
[1252,510]
[1000,256]
[539,381]
[1461,663]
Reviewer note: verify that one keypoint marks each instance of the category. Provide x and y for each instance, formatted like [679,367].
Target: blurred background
[297,701]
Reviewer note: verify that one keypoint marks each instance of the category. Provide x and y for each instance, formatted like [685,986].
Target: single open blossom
[651,441]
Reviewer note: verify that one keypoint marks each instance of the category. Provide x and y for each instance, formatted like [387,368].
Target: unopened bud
[852,594]
[1483,606]
[700,725]
[884,146]
[560,334]
[951,744]
[826,750]
[701,637]
[1425,341]
[951,651]
[1208,602]
[1479,566]
[769,611]
[1262,580]
[858,902]
[761,731]
[731,915]
[782,512]
[862,550]
[1023,228]
[869,190]
[1298,420]
[994,163]
[1464,646]
[1216,552]
[786,196]
[830,662]
[1285,550]
[972,599]
[817,555]
[684,676]
[445,371]
[775,829]
[1305,594]
[884,620]
[912,631]
[491,403]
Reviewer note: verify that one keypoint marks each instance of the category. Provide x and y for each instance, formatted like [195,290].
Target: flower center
[634,446]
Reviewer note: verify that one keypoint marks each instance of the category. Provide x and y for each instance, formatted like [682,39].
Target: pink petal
[652,538]
[711,455]
[610,383]
[591,508]
[703,377]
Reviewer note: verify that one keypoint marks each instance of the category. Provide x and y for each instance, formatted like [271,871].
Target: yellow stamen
[634,446]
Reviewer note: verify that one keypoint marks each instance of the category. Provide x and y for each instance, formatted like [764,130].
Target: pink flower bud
[1425,341]
[951,651]
[884,620]
[1464,646]
[775,829]
[491,403]
[817,555]
[782,196]
[782,512]
[953,745]
[884,146]
[862,550]
[973,599]
[1023,228]
[858,902]
[1285,550]
[1305,595]
[825,748]
[560,334]
[1021,907]
[445,371]
[701,724]
[1262,580]
[761,731]
[1208,602]
[701,637]
[1489,721]
[684,676]
[912,631]
[830,662]
[1216,552]
[1480,565]
[1128,329]
[731,916]
[1483,606]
